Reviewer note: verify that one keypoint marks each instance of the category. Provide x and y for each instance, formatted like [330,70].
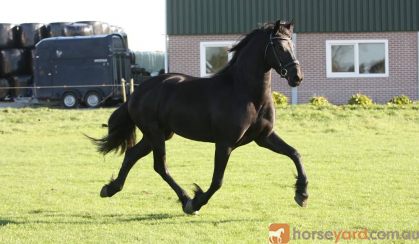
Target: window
[214,56]
[363,58]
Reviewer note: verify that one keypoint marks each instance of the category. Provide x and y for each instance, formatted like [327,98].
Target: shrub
[360,99]
[279,98]
[400,100]
[319,101]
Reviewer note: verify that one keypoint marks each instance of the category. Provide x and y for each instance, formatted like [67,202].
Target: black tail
[121,132]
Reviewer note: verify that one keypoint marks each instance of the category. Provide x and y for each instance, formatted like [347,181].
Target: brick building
[344,46]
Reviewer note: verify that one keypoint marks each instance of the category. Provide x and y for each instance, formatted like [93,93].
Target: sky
[142,20]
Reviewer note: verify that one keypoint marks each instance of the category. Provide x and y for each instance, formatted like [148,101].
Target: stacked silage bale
[29,34]
[56,29]
[7,41]
[16,45]
[17,49]
[89,28]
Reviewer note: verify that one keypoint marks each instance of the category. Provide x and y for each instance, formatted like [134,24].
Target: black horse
[231,108]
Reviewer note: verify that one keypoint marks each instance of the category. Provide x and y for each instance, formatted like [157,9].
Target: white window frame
[203,57]
[355,74]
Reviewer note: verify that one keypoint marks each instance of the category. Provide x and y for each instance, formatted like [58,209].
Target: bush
[279,98]
[400,100]
[319,101]
[360,99]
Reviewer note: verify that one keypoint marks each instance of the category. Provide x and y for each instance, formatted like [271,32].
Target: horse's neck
[252,79]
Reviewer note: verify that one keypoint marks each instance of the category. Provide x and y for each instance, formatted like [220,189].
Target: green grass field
[362,164]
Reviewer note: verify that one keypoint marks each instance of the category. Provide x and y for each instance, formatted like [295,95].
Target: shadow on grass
[50,217]
[148,217]
[225,221]
[4,222]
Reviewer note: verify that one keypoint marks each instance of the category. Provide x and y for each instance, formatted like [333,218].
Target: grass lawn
[362,164]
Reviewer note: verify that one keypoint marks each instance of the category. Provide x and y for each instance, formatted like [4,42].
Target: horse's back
[175,102]
[158,81]
[150,92]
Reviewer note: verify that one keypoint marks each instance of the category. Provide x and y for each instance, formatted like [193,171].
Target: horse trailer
[81,70]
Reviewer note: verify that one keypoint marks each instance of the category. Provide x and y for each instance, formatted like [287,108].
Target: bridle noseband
[283,68]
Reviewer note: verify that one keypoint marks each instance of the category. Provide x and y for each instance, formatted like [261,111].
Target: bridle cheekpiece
[283,68]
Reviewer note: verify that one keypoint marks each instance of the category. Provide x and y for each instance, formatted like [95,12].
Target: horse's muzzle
[296,77]
[294,82]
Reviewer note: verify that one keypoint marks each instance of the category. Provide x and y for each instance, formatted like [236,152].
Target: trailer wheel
[70,100]
[93,99]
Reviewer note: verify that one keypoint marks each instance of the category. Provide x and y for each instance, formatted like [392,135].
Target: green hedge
[361,100]
[279,99]
[319,101]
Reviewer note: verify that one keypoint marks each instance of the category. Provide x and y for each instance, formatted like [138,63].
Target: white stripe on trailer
[101,60]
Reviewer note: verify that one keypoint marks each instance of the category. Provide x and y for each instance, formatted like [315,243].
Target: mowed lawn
[362,164]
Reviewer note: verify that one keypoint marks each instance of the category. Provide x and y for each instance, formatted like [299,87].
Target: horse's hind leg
[222,154]
[132,155]
[159,153]
[276,144]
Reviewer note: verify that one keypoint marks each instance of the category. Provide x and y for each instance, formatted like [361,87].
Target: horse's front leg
[276,144]
[222,154]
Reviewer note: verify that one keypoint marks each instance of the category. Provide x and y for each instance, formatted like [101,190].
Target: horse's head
[279,53]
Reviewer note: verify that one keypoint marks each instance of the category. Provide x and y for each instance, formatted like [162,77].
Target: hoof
[104,191]
[301,200]
[188,208]
[109,190]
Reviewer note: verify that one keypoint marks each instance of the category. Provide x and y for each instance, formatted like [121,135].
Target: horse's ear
[286,24]
[290,25]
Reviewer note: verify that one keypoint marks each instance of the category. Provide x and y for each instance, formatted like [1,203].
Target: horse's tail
[121,132]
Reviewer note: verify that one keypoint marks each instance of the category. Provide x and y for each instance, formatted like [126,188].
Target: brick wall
[403,65]
[184,51]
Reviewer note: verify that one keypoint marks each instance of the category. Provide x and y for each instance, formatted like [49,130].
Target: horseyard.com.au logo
[279,233]
[282,234]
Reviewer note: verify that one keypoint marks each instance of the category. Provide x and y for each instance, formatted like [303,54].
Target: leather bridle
[283,68]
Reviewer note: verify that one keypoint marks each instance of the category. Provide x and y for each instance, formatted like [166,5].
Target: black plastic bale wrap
[13,61]
[8,36]
[77,29]
[113,29]
[19,81]
[56,29]
[29,56]
[99,27]
[31,33]
[4,92]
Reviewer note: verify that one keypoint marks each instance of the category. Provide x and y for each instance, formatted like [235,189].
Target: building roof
[203,17]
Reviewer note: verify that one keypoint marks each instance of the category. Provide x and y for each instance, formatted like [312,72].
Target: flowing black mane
[266,27]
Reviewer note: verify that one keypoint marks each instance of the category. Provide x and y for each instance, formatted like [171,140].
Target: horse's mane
[245,40]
